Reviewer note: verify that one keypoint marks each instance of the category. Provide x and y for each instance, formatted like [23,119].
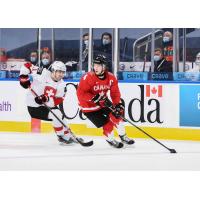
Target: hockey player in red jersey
[92,95]
[50,88]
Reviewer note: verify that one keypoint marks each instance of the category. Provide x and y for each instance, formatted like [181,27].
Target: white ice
[43,152]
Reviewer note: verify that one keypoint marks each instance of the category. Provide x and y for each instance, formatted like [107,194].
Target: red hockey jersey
[90,85]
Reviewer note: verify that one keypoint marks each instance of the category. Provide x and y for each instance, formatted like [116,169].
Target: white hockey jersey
[44,84]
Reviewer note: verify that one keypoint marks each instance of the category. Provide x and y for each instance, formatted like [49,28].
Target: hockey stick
[108,104]
[85,144]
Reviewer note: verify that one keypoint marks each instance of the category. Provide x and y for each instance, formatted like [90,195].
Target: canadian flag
[154,90]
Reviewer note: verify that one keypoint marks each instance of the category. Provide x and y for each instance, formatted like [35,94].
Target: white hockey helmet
[58,66]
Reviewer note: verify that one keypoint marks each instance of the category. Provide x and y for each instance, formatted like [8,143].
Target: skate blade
[128,143]
[65,144]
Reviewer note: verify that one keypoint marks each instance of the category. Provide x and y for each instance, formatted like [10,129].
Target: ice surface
[20,151]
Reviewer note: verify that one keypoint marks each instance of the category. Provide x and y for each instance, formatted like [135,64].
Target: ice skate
[126,140]
[115,143]
[64,141]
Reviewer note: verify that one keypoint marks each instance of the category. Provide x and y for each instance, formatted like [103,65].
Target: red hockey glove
[24,81]
[108,103]
[41,99]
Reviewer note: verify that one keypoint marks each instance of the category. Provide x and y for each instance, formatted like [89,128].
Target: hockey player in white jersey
[50,88]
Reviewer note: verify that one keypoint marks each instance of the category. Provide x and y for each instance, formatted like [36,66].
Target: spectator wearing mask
[85,52]
[33,62]
[168,45]
[106,48]
[45,62]
[34,58]
[160,63]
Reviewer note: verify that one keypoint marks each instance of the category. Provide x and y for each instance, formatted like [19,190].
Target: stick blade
[172,151]
[85,144]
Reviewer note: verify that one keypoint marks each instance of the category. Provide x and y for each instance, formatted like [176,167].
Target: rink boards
[166,110]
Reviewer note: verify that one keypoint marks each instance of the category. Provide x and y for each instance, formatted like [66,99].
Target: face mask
[165,39]
[45,61]
[156,58]
[33,59]
[105,41]
[86,42]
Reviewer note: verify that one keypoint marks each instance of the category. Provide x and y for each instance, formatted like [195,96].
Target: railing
[144,40]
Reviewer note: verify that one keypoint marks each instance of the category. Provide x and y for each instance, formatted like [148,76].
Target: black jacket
[40,69]
[85,59]
[163,66]
[106,50]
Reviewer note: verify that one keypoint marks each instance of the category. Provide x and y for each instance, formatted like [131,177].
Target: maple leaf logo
[154,90]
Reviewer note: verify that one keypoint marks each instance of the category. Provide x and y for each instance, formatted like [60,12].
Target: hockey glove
[100,100]
[119,110]
[41,99]
[24,81]
[108,103]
